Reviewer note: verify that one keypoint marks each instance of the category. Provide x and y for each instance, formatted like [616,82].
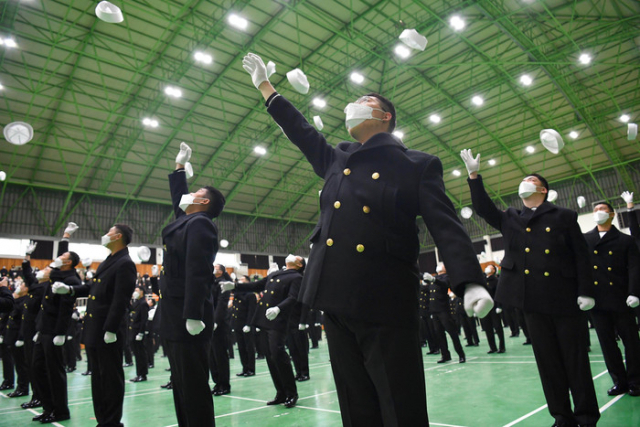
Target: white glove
[152,314]
[87,261]
[139,337]
[626,196]
[184,155]
[498,310]
[1,339]
[272,313]
[19,343]
[227,286]
[194,327]
[257,329]
[154,270]
[58,340]
[477,300]
[71,228]
[317,325]
[215,326]
[632,301]
[36,337]
[586,303]
[473,165]
[246,329]
[69,337]
[31,248]
[75,316]
[429,278]
[302,327]
[110,337]
[254,65]
[60,288]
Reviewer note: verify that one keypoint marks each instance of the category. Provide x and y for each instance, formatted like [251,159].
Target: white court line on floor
[611,402]
[38,413]
[544,406]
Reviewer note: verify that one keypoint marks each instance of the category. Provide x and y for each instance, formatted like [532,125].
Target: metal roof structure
[86,85]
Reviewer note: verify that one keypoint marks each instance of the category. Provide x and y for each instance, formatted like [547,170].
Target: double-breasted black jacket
[32,302]
[190,247]
[138,317]
[615,261]
[280,289]
[244,307]
[439,294]
[363,263]
[56,309]
[546,263]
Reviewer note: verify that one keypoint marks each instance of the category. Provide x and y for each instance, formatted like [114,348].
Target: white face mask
[106,239]
[186,200]
[136,295]
[290,259]
[57,263]
[600,217]
[358,113]
[488,270]
[40,275]
[526,189]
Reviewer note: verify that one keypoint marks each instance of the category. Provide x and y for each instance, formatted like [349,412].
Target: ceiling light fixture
[624,118]
[530,149]
[585,59]
[238,21]
[203,57]
[456,172]
[477,100]
[150,122]
[492,162]
[260,150]
[319,102]
[526,80]
[402,51]
[398,133]
[457,23]
[9,43]
[435,118]
[573,134]
[172,91]
[357,78]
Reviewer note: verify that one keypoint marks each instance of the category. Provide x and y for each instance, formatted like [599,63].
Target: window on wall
[260,262]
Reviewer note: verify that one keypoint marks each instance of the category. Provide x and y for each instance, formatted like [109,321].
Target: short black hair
[387,106]
[126,231]
[216,201]
[75,259]
[222,267]
[141,289]
[544,182]
[606,204]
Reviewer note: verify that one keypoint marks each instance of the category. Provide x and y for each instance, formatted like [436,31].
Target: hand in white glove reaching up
[71,228]
[627,196]
[254,65]
[473,165]
[184,155]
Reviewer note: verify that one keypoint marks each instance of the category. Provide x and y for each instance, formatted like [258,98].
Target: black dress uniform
[281,290]
[244,307]
[50,378]
[616,270]
[491,323]
[363,269]
[427,330]
[440,309]
[544,270]
[219,353]
[190,247]
[13,334]
[6,299]
[298,342]
[8,374]
[109,293]
[138,318]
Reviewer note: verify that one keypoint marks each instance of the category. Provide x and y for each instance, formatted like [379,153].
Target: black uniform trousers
[247,350]
[142,359]
[444,322]
[8,375]
[491,323]
[150,347]
[219,356]
[20,363]
[70,357]
[373,388]
[28,357]
[607,323]
[107,383]
[279,364]
[560,349]
[49,377]
[470,329]
[298,344]
[190,377]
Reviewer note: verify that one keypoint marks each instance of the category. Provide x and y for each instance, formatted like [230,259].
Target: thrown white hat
[271,68]
[466,212]
[3,175]
[298,80]
[582,202]
[188,169]
[109,12]
[551,140]
[318,122]
[413,39]
[87,261]
[18,133]
[632,131]
[552,196]
[144,253]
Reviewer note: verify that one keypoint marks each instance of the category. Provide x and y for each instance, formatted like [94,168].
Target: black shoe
[86,373]
[167,369]
[6,386]
[54,418]
[314,346]
[18,393]
[617,389]
[151,366]
[241,374]
[634,390]
[444,359]
[69,370]
[492,351]
[222,391]
[514,335]
[303,378]
[502,350]
[277,400]
[168,386]
[462,359]
[433,352]
[41,416]
[259,357]
[138,379]
[126,365]
[290,402]
[527,342]
[470,345]
[249,374]
[33,403]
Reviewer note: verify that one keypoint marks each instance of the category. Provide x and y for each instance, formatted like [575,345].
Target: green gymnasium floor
[489,390]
